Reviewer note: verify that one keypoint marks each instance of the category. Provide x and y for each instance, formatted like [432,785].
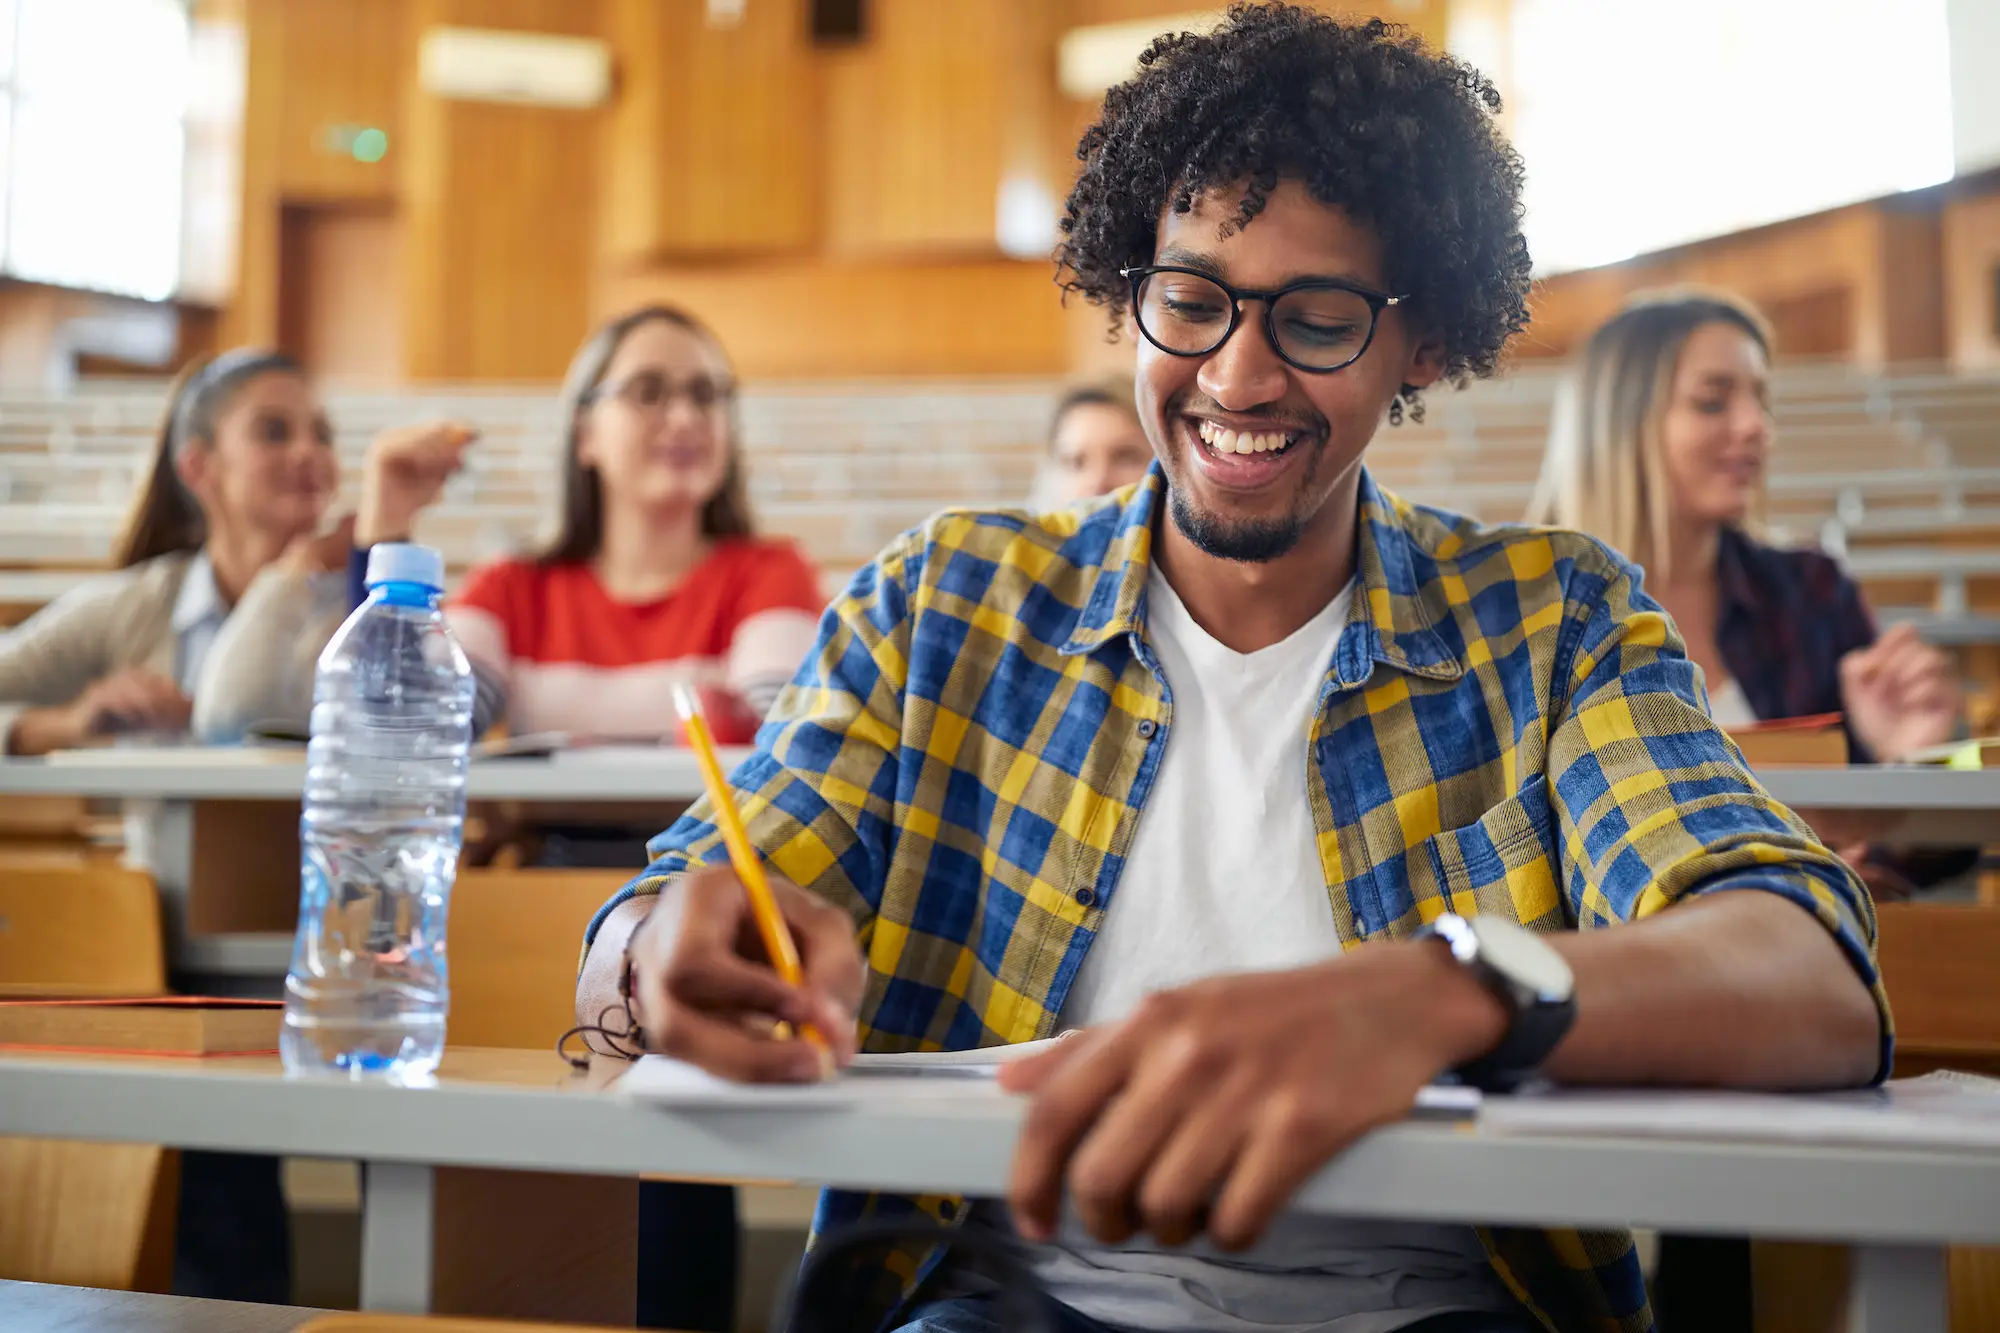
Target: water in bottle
[383,819]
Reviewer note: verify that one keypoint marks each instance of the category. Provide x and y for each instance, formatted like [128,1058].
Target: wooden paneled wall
[831,318]
[709,149]
[1972,279]
[311,65]
[832,208]
[499,215]
[1865,281]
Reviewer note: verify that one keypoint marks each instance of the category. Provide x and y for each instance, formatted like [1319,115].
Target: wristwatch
[1526,975]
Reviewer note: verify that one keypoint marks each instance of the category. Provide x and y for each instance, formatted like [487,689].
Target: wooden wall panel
[343,66]
[1907,323]
[812,318]
[311,65]
[709,146]
[341,311]
[1972,280]
[916,141]
[1426,17]
[1830,266]
[497,202]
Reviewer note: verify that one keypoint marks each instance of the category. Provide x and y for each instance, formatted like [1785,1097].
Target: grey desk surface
[35,1307]
[195,774]
[524,1110]
[670,774]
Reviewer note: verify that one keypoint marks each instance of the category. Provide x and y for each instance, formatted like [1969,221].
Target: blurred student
[223,552]
[1659,447]
[655,574]
[1096,443]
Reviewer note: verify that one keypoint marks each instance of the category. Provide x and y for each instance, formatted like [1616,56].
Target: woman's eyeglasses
[1317,325]
[651,391]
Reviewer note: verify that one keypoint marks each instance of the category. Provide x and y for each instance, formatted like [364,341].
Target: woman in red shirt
[654,573]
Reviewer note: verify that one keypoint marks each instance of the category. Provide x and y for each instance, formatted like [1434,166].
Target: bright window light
[96,142]
[1650,123]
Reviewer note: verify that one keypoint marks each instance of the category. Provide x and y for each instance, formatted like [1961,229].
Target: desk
[37,1307]
[180,779]
[1938,805]
[1908,805]
[1914,805]
[614,774]
[525,1111]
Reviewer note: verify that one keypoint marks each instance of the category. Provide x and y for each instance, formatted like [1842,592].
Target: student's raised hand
[703,990]
[404,472]
[1209,1107]
[1899,694]
[322,552]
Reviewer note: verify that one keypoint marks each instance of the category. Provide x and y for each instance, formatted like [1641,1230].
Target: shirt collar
[199,599]
[1389,613]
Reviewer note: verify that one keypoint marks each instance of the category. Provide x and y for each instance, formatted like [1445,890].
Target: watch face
[1524,958]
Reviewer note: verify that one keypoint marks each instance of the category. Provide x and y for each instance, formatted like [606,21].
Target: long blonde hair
[1604,472]
[164,516]
[579,527]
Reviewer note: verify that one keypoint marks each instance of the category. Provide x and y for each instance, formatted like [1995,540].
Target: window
[1651,123]
[93,105]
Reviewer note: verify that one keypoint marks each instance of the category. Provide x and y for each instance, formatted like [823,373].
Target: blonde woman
[1659,447]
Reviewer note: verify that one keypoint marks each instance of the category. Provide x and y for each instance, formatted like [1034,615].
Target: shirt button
[1146,730]
[1085,898]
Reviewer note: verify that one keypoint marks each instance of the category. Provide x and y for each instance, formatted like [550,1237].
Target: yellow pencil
[749,869]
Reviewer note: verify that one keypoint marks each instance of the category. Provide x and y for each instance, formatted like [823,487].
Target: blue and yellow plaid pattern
[1508,726]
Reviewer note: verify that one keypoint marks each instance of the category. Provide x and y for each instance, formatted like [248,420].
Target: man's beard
[1246,541]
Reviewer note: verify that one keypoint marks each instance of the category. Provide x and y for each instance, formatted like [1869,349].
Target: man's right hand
[404,473]
[704,991]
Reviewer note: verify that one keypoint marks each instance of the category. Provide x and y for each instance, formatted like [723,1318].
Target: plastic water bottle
[383,821]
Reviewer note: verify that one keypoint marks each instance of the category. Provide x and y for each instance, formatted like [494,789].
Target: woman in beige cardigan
[226,587]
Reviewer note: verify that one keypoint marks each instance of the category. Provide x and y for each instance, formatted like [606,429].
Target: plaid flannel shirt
[1507,726]
[1786,619]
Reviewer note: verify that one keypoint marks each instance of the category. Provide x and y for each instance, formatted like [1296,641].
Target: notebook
[176,1025]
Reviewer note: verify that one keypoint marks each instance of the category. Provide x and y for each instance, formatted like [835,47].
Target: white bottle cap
[405,562]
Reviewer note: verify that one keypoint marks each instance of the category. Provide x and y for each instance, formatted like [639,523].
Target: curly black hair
[1365,115]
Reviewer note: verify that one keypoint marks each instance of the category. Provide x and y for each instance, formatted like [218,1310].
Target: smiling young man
[1292,795]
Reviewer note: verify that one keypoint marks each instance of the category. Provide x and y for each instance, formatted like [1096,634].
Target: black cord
[626,1041]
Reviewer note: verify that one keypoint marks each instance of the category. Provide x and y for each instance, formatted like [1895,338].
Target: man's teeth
[1226,441]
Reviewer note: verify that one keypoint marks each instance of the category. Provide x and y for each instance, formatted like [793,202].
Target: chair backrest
[515,939]
[83,1214]
[88,1214]
[87,929]
[1941,965]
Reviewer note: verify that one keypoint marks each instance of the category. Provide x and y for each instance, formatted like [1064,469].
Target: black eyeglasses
[650,391]
[1317,325]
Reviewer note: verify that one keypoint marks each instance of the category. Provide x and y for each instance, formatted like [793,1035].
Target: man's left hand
[1210,1106]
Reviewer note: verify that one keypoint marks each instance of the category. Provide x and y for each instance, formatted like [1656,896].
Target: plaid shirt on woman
[1506,726]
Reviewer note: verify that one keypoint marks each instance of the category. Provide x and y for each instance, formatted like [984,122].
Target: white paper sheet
[955,1076]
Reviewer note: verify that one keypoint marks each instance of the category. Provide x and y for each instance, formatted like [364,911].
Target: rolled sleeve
[1656,805]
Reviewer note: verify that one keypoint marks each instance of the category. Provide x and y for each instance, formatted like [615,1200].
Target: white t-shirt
[1728,707]
[1224,876]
